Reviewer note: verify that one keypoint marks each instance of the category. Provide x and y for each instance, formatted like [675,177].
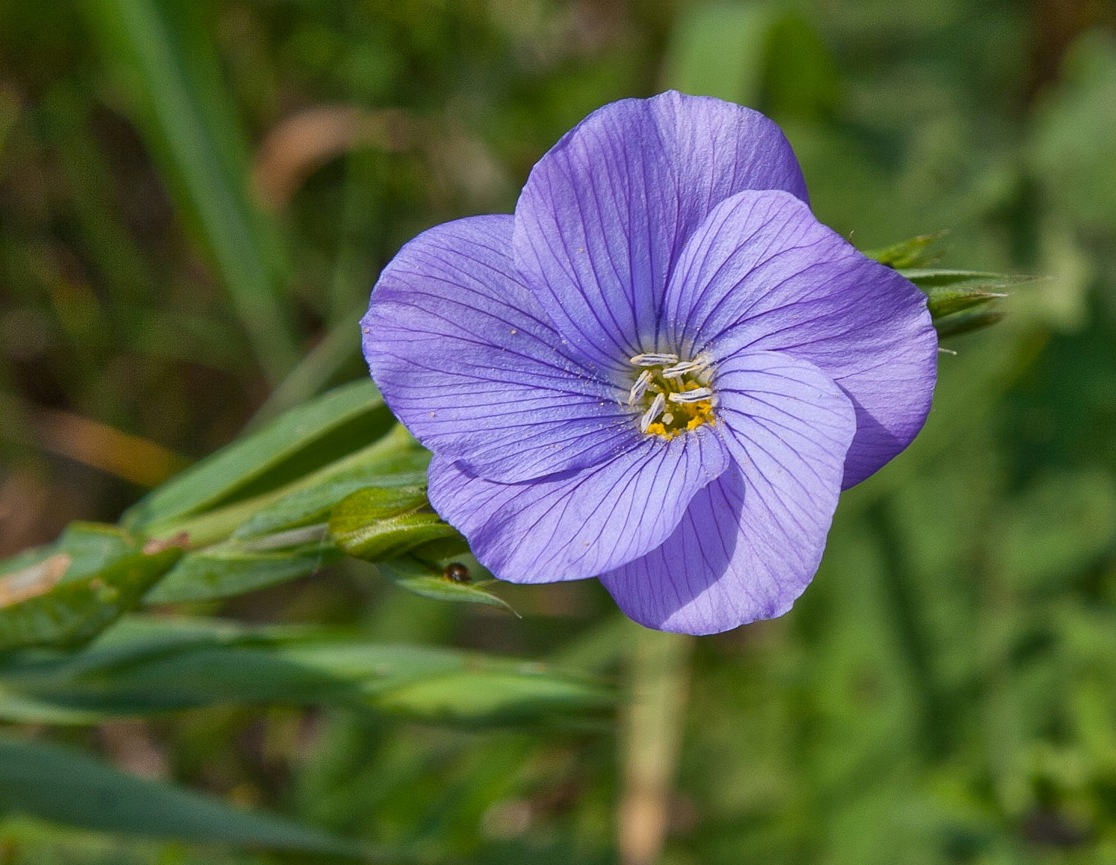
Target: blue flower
[660,371]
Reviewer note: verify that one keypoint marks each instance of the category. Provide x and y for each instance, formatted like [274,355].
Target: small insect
[457,573]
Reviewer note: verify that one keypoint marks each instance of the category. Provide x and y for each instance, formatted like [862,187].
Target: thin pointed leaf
[394,461]
[967,322]
[293,445]
[162,57]
[438,581]
[147,666]
[228,570]
[906,254]
[67,787]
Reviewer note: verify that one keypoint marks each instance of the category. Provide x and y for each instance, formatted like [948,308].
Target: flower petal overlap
[660,371]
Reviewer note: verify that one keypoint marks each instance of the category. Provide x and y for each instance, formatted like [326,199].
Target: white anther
[680,369]
[640,387]
[696,395]
[652,359]
[668,418]
[649,416]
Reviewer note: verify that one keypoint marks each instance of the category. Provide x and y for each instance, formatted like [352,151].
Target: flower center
[673,394]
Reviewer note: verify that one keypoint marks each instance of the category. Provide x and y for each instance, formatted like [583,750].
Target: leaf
[87,547]
[146,666]
[396,460]
[69,612]
[765,56]
[228,570]
[379,523]
[435,582]
[966,322]
[162,56]
[288,448]
[956,298]
[909,253]
[737,35]
[70,788]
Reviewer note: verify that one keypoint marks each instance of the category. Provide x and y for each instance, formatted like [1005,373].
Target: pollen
[673,395]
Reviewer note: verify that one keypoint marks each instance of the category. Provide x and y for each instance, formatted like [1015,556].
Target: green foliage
[65,786]
[149,666]
[66,594]
[179,227]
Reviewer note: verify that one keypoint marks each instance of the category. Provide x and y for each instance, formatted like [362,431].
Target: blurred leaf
[69,788]
[1059,528]
[289,447]
[756,54]
[1074,128]
[87,547]
[380,523]
[66,612]
[954,297]
[907,253]
[147,666]
[231,569]
[395,460]
[162,54]
[736,35]
[966,322]
[437,582]
[801,79]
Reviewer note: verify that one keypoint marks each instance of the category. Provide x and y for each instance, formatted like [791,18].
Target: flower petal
[606,211]
[578,524]
[762,273]
[752,540]
[472,366]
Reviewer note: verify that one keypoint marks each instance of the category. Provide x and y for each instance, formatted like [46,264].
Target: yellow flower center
[673,394]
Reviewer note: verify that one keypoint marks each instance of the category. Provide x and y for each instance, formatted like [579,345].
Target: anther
[640,387]
[696,395]
[657,406]
[680,369]
[652,359]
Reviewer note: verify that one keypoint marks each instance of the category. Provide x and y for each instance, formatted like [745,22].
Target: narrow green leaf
[67,787]
[395,460]
[162,56]
[736,34]
[87,547]
[147,666]
[484,697]
[452,579]
[958,299]
[927,278]
[966,322]
[228,570]
[910,253]
[945,299]
[289,447]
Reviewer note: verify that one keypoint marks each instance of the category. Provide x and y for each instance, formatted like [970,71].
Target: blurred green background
[195,198]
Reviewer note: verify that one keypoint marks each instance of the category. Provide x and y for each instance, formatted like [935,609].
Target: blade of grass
[163,56]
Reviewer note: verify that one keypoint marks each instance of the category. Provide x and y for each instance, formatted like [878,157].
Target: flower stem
[658,689]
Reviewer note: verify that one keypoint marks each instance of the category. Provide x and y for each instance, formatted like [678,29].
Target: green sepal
[961,301]
[967,321]
[913,252]
[379,523]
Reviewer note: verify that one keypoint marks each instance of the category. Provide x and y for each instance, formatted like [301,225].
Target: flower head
[660,371]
